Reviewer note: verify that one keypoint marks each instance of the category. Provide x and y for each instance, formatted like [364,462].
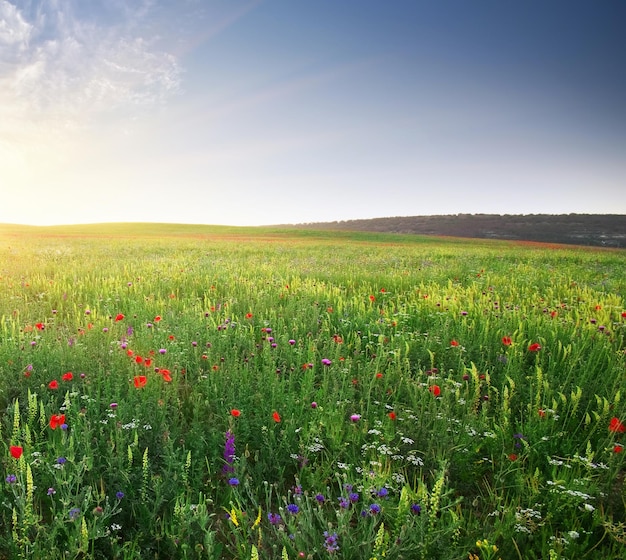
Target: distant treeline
[601,230]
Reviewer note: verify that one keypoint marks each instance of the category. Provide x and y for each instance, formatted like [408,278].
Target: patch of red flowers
[616,426]
[140,381]
[57,420]
[16,451]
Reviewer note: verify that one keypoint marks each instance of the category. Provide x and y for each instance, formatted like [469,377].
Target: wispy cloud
[60,62]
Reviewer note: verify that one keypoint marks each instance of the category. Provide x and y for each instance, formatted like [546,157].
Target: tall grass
[254,393]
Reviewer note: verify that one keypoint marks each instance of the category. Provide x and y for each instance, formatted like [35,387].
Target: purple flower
[293,509]
[313,404]
[355,417]
[11,479]
[416,509]
[343,503]
[119,494]
[61,460]
[113,405]
[292,342]
[64,426]
[326,362]
[320,498]
[162,350]
[51,491]
[374,509]
[233,481]
[74,513]
[330,542]
[382,493]
[353,497]
[274,518]
[229,452]
[130,331]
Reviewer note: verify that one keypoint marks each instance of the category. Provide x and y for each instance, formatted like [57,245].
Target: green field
[172,391]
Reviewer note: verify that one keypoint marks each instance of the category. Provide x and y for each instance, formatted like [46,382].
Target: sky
[263,112]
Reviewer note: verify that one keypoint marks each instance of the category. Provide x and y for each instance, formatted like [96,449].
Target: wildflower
[379,375]
[291,342]
[392,415]
[235,412]
[353,497]
[162,350]
[157,318]
[229,452]
[293,509]
[326,362]
[16,451]
[40,326]
[74,513]
[319,498]
[534,347]
[343,503]
[119,494]
[355,417]
[512,457]
[11,479]
[67,376]
[313,404]
[416,509]
[56,420]
[276,417]
[113,405]
[382,493]
[233,481]
[435,390]
[506,340]
[330,542]
[166,374]
[140,381]
[119,317]
[61,461]
[454,343]
[616,426]
[374,509]
[541,412]
[618,448]
[274,518]
[54,384]
[51,491]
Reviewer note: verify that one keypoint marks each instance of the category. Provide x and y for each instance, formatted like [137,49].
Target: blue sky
[282,111]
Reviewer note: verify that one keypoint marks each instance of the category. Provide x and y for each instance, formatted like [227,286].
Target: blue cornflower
[61,460]
[233,481]
[382,493]
[320,498]
[343,503]
[354,497]
[416,509]
[374,509]
[274,518]
[74,513]
[11,479]
[293,509]
[119,494]
[330,542]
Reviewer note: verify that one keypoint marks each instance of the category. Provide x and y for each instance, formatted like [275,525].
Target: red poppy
[167,377]
[157,318]
[138,359]
[392,415]
[235,412]
[541,412]
[616,426]
[534,347]
[147,363]
[129,352]
[454,343]
[57,420]
[379,375]
[140,381]
[119,317]
[435,390]
[512,457]
[16,451]
[67,376]
[40,326]
[54,384]
[618,448]
[624,314]
[506,340]
[372,298]
[248,315]
[276,417]
[337,339]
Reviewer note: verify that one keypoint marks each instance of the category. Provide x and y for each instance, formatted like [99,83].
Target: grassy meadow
[189,392]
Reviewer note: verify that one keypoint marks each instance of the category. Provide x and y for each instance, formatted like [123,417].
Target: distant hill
[600,230]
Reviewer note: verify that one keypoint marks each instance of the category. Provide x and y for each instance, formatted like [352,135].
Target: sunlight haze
[273,112]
